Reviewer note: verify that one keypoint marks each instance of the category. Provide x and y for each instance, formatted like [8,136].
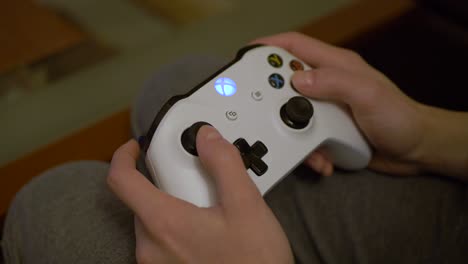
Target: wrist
[444,145]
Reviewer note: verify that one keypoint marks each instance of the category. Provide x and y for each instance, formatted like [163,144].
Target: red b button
[296,65]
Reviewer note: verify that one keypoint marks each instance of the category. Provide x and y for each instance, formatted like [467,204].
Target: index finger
[312,51]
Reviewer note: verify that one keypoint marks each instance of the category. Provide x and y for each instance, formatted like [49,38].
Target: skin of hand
[399,129]
[241,228]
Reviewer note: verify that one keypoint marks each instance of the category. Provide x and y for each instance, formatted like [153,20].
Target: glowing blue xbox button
[225,86]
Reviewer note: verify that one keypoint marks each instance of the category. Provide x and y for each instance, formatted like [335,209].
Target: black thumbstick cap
[297,112]
[189,137]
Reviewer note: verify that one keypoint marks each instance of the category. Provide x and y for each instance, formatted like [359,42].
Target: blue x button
[276,81]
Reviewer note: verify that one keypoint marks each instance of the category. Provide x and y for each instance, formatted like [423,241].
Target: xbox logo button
[225,86]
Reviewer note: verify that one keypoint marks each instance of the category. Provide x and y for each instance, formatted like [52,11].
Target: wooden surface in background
[96,142]
[30,32]
[99,141]
[184,12]
[356,19]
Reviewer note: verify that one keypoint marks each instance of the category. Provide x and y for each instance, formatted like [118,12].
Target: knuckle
[325,77]
[373,91]
[220,149]
[161,234]
[112,178]
[294,38]
[352,56]
[227,153]
[230,151]
[165,229]
[370,94]
[334,83]
[294,34]
[115,176]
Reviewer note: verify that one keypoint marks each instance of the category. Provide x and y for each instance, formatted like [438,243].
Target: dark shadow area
[425,52]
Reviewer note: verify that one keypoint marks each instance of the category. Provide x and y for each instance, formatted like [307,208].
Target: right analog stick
[297,112]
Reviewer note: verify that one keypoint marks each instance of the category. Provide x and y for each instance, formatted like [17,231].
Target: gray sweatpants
[68,215]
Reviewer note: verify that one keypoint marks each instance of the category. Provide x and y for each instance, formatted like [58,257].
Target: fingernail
[303,79]
[212,133]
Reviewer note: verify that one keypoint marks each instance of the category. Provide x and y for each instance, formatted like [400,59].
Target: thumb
[223,162]
[335,85]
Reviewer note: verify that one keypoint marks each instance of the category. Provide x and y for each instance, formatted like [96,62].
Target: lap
[365,217]
[69,215]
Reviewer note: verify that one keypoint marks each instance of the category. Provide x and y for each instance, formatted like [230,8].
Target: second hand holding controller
[252,103]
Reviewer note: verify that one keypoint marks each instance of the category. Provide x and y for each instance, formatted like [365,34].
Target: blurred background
[64,65]
[70,70]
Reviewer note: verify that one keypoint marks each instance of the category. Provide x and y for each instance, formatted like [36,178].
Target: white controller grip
[341,137]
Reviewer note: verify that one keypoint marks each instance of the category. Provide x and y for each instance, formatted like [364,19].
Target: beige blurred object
[21,80]
[30,32]
[183,12]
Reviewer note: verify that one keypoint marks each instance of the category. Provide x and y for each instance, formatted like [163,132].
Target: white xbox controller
[252,103]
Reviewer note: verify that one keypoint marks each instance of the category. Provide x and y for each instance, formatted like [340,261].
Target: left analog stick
[189,137]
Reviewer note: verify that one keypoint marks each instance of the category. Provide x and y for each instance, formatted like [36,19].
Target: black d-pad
[252,155]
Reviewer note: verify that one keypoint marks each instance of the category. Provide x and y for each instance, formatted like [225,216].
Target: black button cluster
[276,80]
[252,155]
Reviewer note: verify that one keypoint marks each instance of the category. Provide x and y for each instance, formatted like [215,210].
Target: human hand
[239,229]
[391,121]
